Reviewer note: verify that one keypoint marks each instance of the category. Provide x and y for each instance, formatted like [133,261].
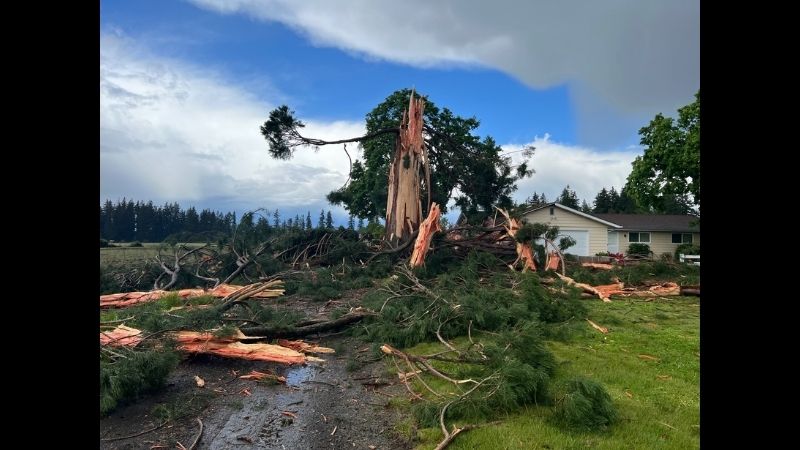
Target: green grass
[658,401]
[125,254]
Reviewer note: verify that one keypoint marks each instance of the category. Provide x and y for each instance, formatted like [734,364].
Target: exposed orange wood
[121,336]
[524,251]
[126,299]
[403,208]
[304,347]
[230,347]
[426,230]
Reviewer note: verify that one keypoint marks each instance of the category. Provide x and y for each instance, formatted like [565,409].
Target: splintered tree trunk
[403,206]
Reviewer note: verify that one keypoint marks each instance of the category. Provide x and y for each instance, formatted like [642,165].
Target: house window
[639,237]
[552,210]
[681,238]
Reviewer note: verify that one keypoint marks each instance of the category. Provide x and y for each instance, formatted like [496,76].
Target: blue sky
[185,84]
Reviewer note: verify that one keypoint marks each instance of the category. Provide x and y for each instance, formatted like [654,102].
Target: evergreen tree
[329,220]
[309,226]
[321,223]
[533,200]
[351,223]
[602,202]
[277,217]
[585,207]
[360,223]
[262,228]
[613,200]
[626,204]
[568,198]
[192,220]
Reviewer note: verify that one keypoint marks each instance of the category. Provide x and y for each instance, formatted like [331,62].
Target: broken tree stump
[403,205]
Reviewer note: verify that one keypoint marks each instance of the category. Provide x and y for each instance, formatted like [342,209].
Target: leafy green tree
[675,204]
[459,160]
[670,165]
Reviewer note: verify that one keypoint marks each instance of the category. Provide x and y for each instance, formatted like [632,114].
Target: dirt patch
[341,403]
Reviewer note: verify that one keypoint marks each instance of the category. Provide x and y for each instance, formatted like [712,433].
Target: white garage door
[581,247]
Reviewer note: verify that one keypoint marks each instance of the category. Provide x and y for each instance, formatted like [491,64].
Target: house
[598,233]
[662,232]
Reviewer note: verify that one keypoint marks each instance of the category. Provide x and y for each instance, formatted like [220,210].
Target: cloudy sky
[185,85]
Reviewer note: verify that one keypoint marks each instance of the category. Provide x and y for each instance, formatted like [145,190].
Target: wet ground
[341,403]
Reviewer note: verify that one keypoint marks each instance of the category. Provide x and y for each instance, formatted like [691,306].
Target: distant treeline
[139,221]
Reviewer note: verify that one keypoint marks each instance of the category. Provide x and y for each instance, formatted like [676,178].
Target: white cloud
[629,58]
[171,131]
[585,170]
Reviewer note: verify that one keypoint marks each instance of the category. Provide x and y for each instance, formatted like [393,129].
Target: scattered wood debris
[597,327]
[255,375]
[304,347]
[600,266]
[121,336]
[601,291]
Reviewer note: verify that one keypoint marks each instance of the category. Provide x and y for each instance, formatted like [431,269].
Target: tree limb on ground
[331,325]
[125,299]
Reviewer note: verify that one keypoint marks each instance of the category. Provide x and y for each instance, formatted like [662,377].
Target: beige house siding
[565,220]
[660,242]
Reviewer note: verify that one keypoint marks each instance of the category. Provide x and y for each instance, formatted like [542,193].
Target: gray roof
[653,222]
[574,211]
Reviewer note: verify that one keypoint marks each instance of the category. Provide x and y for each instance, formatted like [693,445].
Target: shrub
[135,244]
[639,249]
[586,405]
[138,373]
[103,243]
[686,249]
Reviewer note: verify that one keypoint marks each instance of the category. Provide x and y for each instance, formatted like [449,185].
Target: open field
[125,254]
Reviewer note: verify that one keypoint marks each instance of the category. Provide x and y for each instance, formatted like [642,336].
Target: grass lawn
[657,394]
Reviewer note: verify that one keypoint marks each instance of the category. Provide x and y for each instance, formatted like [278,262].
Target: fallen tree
[331,325]
[125,299]
[231,347]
